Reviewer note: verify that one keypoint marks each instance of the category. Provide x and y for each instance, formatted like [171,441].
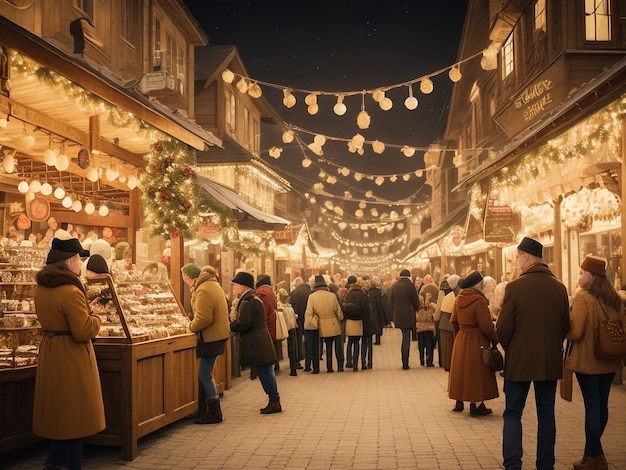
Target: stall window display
[136,307]
[20,331]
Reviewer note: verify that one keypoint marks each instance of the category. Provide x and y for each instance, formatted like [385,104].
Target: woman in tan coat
[68,401]
[210,323]
[595,300]
[471,380]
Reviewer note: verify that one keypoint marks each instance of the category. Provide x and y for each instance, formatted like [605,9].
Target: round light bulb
[90,208]
[111,174]
[77,206]
[50,156]
[8,164]
[288,100]
[93,174]
[313,109]
[103,211]
[35,186]
[59,193]
[23,187]
[455,74]
[67,202]
[426,86]
[340,109]
[242,85]
[386,104]
[62,163]
[228,76]
[132,182]
[254,90]
[46,189]
[411,103]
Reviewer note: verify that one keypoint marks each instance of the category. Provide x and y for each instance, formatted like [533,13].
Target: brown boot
[592,463]
[272,407]
[214,414]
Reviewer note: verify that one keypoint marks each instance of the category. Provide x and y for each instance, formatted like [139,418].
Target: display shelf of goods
[135,310]
[20,336]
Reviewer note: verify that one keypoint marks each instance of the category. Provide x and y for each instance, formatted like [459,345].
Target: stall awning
[458,217]
[247,216]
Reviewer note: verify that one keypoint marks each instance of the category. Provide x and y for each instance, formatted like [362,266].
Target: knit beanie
[191,270]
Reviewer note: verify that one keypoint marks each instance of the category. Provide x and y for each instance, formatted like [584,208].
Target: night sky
[336,46]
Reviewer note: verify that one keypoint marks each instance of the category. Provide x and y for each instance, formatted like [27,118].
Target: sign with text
[287,236]
[499,222]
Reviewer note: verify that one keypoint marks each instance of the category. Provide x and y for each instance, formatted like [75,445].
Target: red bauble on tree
[186,204]
[158,146]
[174,233]
[186,171]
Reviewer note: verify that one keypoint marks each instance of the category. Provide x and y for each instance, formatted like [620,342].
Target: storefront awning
[458,217]
[247,216]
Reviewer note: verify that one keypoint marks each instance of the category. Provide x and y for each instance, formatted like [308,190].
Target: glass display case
[136,311]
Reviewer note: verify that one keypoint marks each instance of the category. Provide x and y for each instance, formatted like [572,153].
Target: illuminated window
[231,111]
[157,56]
[598,20]
[507,56]
[540,15]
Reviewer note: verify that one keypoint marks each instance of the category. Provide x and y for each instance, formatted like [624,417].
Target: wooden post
[176,263]
[558,239]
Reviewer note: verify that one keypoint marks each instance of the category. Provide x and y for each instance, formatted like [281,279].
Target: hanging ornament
[411,102]
[362,204]
[254,90]
[426,86]
[378,147]
[288,136]
[228,76]
[363,120]
[275,152]
[50,156]
[386,104]
[340,108]
[288,99]
[379,180]
[455,73]
[306,163]
[242,85]
[407,151]
[378,95]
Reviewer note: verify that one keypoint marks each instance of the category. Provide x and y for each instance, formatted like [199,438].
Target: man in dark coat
[298,299]
[405,302]
[532,325]
[378,308]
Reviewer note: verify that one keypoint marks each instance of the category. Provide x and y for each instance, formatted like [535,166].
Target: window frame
[593,10]
[508,56]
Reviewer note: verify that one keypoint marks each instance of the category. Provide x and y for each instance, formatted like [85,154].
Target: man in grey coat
[404,302]
[531,327]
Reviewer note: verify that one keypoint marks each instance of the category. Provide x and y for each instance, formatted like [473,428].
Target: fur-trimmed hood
[54,277]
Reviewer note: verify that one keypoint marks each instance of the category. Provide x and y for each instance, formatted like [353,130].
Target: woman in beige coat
[210,323]
[68,403]
[595,300]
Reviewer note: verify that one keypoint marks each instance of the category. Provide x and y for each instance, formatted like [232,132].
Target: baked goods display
[146,310]
[20,336]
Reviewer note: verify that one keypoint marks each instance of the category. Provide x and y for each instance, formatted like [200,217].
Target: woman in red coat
[471,380]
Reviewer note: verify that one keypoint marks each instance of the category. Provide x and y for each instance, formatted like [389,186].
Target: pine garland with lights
[170,190]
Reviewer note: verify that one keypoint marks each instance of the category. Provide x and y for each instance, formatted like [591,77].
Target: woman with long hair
[595,300]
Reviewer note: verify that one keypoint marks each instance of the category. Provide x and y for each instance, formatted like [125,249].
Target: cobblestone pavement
[384,418]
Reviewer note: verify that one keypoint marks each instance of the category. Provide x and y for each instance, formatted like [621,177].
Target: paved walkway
[384,418]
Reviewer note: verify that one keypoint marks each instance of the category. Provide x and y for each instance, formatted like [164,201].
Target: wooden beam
[81,218]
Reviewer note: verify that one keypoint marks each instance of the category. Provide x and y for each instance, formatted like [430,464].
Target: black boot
[214,413]
[458,406]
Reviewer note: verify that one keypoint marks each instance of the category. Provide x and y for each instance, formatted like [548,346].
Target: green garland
[170,190]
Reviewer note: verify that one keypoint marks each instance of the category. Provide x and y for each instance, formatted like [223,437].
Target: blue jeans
[515,400]
[595,389]
[312,346]
[406,344]
[336,340]
[268,381]
[205,375]
[66,453]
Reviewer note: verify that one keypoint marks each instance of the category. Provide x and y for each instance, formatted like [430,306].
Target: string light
[411,102]
[340,109]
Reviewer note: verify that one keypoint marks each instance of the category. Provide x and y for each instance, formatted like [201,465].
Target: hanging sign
[287,236]
[498,222]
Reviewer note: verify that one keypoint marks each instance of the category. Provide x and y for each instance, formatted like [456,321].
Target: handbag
[311,322]
[492,358]
[281,326]
[609,339]
[214,348]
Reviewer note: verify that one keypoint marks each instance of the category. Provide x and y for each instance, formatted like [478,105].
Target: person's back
[404,302]
[531,326]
